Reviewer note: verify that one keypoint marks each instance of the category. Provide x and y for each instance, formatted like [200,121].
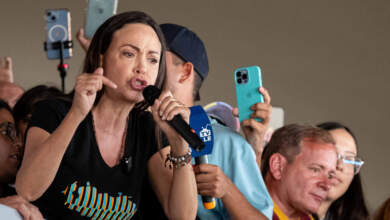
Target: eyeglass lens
[352,163]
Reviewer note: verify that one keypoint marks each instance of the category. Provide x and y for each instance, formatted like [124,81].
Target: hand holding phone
[247,81]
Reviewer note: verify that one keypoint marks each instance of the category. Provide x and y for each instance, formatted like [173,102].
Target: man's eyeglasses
[351,163]
[8,130]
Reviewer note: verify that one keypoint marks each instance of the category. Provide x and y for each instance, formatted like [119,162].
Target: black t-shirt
[84,185]
[8,191]
[151,208]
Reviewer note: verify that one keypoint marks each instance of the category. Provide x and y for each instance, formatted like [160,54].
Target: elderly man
[298,165]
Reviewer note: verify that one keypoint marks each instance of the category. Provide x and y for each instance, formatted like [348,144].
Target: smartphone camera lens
[53,18]
[245,76]
[49,14]
[239,81]
[238,74]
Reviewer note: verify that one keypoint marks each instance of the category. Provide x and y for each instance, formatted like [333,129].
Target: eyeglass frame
[9,131]
[357,162]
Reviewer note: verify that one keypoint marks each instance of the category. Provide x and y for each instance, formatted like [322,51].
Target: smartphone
[247,81]
[57,31]
[98,12]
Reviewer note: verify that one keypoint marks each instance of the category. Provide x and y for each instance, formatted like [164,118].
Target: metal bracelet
[179,161]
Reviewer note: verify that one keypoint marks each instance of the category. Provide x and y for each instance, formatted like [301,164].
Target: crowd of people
[101,151]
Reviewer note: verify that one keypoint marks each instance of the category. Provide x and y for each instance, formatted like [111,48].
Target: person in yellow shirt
[298,165]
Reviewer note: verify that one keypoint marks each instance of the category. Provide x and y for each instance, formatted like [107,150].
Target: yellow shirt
[279,215]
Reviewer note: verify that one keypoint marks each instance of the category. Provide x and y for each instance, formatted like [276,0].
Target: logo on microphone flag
[200,123]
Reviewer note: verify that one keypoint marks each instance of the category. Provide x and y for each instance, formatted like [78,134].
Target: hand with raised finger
[211,180]
[86,88]
[84,41]
[253,130]
[164,109]
[6,72]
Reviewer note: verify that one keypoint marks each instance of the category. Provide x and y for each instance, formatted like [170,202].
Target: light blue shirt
[233,154]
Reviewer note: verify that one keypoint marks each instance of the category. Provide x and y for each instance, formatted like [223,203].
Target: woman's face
[132,61]
[10,148]
[346,146]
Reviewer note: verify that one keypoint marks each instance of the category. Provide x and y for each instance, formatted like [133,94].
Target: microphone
[208,201]
[150,94]
[200,122]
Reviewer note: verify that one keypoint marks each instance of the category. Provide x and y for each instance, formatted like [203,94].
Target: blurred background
[320,60]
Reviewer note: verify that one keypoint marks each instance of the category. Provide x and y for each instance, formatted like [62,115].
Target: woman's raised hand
[164,109]
[86,88]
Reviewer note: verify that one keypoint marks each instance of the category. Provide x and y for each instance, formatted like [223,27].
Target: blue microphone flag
[200,122]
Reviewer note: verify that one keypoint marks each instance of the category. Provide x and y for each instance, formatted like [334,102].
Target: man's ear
[188,70]
[277,164]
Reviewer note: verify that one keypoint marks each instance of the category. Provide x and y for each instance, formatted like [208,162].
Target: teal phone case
[98,12]
[247,81]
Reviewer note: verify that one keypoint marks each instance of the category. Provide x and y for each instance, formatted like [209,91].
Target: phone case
[247,81]
[57,30]
[98,12]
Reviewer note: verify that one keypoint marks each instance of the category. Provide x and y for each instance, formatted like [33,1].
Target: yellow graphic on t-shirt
[89,203]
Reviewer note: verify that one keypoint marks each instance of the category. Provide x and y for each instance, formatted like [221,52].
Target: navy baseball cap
[188,46]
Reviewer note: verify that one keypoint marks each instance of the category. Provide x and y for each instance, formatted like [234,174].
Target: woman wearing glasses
[345,199]
[10,150]
[10,157]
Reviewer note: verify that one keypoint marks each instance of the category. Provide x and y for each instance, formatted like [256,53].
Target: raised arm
[44,151]
[83,40]
[253,130]
[176,187]
[6,73]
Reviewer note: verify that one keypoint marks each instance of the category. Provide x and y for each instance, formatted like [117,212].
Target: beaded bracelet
[179,161]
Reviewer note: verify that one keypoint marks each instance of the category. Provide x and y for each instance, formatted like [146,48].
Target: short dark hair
[287,141]
[4,104]
[25,105]
[352,204]
[197,84]
[103,37]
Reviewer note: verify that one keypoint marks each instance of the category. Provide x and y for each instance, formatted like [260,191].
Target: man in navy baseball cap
[187,46]
[239,194]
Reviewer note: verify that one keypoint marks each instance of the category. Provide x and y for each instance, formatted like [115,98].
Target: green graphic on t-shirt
[88,202]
